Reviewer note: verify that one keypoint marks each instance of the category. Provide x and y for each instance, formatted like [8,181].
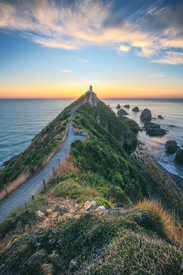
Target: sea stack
[171,146]
[179,155]
[122,112]
[135,109]
[146,114]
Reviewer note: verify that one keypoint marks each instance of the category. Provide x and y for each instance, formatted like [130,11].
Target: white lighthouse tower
[90,89]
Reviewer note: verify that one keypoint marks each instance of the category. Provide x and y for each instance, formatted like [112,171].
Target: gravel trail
[23,195]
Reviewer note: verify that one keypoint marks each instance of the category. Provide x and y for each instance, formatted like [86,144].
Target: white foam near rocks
[171,169]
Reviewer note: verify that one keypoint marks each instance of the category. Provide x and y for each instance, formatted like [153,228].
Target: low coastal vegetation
[95,216]
[137,240]
[43,146]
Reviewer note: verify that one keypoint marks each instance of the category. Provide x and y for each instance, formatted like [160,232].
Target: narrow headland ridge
[108,208]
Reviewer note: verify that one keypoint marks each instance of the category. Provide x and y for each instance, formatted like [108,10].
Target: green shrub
[75,193]
[37,203]
[82,199]
[13,213]
[102,202]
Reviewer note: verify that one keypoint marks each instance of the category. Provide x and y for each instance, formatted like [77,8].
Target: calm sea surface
[22,119]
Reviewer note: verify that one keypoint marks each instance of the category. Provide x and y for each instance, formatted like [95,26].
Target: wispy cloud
[157,75]
[83,60]
[123,49]
[73,25]
[172,79]
[173,58]
[66,71]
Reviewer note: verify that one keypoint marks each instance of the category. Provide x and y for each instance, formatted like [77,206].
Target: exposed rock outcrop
[153,129]
[179,155]
[118,106]
[91,98]
[159,116]
[122,112]
[135,109]
[146,114]
[36,259]
[127,106]
[171,146]
[61,209]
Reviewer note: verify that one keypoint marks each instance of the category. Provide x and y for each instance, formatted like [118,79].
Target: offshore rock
[127,106]
[153,129]
[122,112]
[159,116]
[135,109]
[118,106]
[171,146]
[179,155]
[146,114]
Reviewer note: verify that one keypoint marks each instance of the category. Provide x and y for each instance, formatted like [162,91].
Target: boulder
[122,112]
[153,129]
[61,209]
[159,116]
[118,106]
[66,217]
[100,208]
[73,208]
[56,259]
[47,269]
[171,146]
[94,203]
[40,215]
[146,114]
[179,155]
[37,259]
[135,109]
[127,106]
[72,265]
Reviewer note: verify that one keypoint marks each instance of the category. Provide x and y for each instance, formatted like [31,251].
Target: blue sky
[57,48]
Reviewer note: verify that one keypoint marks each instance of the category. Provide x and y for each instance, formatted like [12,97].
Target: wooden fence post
[44,184]
[4,185]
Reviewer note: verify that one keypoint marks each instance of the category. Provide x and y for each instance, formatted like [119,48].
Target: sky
[124,49]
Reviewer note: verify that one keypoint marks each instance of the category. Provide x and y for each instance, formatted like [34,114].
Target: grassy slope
[102,245]
[104,156]
[43,144]
[111,123]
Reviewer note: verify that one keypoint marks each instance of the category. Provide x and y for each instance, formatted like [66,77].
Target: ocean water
[172,112]
[22,119]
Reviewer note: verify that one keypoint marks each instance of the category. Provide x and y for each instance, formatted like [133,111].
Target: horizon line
[99,97]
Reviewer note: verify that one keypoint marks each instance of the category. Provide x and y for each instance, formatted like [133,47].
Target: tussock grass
[37,203]
[73,189]
[172,229]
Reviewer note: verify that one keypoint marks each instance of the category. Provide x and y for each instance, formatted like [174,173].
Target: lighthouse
[90,89]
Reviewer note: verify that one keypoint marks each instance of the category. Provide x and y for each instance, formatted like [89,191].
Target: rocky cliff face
[92,99]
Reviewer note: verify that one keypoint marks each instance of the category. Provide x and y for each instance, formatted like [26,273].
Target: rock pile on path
[47,264]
